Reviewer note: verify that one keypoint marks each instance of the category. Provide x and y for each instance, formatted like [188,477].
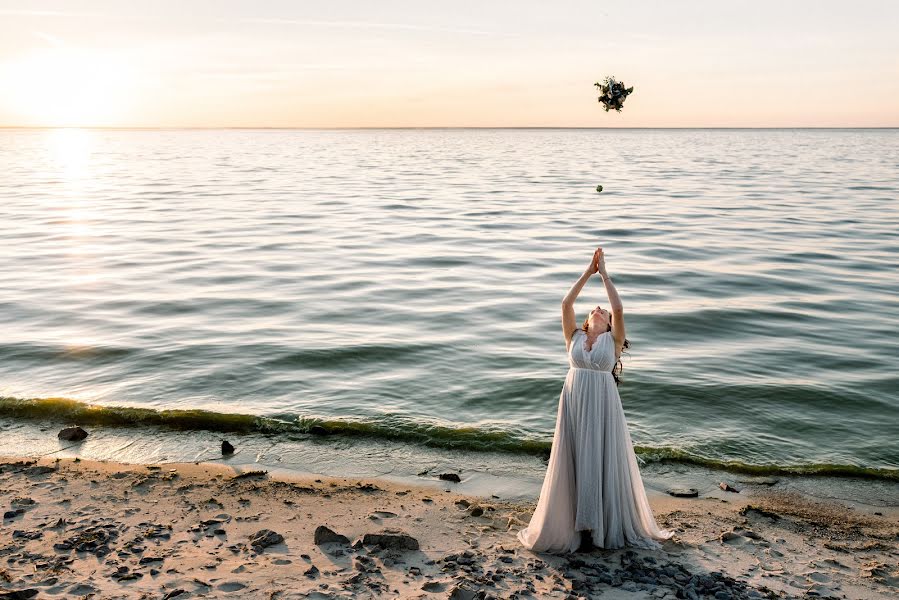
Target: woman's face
[600,318]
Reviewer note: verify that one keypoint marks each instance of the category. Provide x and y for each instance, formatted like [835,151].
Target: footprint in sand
[382,514]
[230,586]
[817,577]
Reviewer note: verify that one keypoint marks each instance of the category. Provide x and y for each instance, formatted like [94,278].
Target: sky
[422,63]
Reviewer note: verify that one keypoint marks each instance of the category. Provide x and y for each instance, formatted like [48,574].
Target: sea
[386,302]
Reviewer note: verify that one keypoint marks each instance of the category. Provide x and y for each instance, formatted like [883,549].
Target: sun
[68,87]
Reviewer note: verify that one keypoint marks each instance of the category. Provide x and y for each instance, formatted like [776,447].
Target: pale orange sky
[194,63]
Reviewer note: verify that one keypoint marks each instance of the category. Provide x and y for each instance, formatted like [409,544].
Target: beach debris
[683,492]
[326,535]
[264,538]
[227,448]
[391,538]
[94,539]
[450,477]
[249,475]
[72,434]
[727,487]
[599,188]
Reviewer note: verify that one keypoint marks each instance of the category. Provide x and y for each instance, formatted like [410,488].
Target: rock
[227,448]
[318,430]
[324,535]
[727,487]
[463,503]
[683,492]
[265,538]
[465,590]
[450,477]
[12,514]
[476,511]
[729,536]
[72,434]
[311,572]
[391,538]
[599,188]
[433,586]
[174,594]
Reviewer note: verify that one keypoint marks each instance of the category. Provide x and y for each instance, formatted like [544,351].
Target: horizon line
[423,127]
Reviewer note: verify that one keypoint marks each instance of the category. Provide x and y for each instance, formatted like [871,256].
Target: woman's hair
[616,370]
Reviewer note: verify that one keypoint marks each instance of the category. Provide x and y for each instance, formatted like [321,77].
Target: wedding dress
[592,480]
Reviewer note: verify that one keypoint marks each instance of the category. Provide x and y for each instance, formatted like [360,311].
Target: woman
[592,493]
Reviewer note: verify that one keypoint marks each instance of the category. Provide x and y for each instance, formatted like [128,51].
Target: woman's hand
[598,263]
[600,259]
[594,264]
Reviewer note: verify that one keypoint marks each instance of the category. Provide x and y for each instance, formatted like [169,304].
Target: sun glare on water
[67,87]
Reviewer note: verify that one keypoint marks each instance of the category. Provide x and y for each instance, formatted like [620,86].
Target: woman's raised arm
[569,323]
[615,306]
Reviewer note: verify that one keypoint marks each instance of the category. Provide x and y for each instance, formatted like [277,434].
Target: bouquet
[613,93]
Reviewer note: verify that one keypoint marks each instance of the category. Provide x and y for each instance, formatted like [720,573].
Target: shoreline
[79,527]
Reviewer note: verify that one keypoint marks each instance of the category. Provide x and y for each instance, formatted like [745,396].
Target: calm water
[406,283]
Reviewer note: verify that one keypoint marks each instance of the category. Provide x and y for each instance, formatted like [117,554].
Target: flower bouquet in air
[612,93]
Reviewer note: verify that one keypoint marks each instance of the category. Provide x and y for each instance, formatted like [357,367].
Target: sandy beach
[82,529]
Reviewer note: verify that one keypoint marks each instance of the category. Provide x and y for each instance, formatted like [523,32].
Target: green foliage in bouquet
[612,93]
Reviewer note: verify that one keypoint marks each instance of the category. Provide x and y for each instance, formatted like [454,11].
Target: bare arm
[615,306]
[569,323]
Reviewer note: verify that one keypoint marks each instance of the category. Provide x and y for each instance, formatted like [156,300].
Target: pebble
[683,492]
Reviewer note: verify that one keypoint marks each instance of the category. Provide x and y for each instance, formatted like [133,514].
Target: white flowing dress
[592,480]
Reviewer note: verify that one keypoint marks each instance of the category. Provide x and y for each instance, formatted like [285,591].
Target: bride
[592,493]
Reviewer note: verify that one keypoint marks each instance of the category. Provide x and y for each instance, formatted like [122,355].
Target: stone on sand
[683,492]
[325,535]
[265,538]
[391,538]
[72,434]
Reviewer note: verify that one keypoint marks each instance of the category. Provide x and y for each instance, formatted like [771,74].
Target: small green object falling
[599,188]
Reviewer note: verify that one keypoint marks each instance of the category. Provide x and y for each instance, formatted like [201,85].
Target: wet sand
[83,529]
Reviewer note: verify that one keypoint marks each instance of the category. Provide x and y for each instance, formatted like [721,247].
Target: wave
[391,428]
